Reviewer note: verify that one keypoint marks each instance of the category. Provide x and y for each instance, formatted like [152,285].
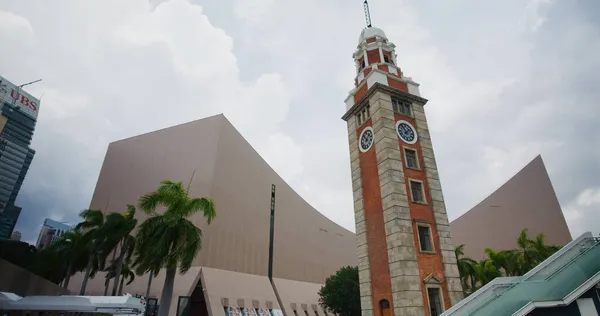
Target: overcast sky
[507,80]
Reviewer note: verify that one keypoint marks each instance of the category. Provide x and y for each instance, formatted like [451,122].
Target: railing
[554,286]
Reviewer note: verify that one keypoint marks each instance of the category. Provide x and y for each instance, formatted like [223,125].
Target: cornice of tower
[380,87]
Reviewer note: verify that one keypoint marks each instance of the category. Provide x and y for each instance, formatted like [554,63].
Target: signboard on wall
[18,98]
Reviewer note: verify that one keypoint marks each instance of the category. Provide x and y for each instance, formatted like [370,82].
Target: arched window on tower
[384,306]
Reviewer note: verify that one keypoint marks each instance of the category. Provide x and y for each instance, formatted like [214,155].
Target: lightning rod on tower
[367,13]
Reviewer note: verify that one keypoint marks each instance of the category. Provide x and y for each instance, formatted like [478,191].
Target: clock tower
[406,259]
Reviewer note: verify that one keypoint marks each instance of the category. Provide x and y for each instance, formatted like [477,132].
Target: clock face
[366,139]
[406,132]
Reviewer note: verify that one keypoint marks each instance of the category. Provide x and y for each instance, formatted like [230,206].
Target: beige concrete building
[231,269]
[527,200]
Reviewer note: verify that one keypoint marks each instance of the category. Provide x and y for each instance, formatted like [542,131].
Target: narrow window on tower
[401,107]
[416,190]
[368,110]
[425,240]
[434,297]
[358,121]
[411,158]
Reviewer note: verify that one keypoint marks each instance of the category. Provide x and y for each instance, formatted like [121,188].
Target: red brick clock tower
[406,257]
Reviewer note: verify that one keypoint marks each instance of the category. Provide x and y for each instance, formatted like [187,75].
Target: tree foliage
[513,262]
[341,292]
[169,239]
[165,240]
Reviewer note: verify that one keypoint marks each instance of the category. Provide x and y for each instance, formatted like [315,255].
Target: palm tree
[485,271]
[118,229]
[170,240]
[74,249]
[515,262]
[465,268]
[126,272]
[94,222]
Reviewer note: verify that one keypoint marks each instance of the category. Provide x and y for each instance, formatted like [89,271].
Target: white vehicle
[12,304]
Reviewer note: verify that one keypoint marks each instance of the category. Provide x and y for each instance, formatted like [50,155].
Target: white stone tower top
[370,32]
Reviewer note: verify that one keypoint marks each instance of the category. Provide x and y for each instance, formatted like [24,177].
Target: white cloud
[583,212]
[12,24]
[280,71]
[128,71]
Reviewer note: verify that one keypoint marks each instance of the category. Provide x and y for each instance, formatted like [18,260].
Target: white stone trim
[375,76]
[368,128]
[361,76]
[412,127]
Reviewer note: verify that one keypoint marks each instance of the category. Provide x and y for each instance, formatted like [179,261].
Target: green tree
[118,238]
[341,292]
[170,240]
[73,250]
[126,272]
[18,253]
[96,232]
[465,268]
[513,262]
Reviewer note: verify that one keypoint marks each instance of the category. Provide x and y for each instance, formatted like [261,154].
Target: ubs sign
[17,97]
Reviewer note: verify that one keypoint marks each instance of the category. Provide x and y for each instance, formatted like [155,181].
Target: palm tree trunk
[106,286]
[68,275]
[88,269]
[167,293]
[108,281]
[119,266]
[148,288]
[121,285]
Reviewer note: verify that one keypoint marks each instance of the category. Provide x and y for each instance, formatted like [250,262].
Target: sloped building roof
[527,200]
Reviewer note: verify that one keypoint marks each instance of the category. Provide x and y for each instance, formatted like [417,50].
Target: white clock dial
[406,131]
[365,141]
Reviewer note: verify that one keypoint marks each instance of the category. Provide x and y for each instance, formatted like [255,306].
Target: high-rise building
[406,259]
[8,220]
[16,235]
[50,232]
[18,115]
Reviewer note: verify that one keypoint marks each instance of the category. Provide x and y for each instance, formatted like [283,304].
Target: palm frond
[204,205]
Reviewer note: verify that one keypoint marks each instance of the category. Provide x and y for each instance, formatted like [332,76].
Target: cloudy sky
[507,80]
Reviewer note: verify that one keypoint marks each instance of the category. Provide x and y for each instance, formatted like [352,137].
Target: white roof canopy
[125,304]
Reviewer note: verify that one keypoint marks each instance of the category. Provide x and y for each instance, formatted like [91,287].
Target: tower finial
[367,13]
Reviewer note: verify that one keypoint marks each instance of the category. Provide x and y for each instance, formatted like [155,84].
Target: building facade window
[401,107]
[363,115]
[411,158]
[416,190]
[434,295]
[425,240]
